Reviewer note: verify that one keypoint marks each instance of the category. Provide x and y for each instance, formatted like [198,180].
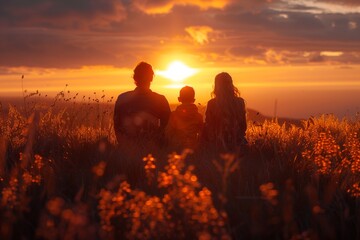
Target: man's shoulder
[124,96]
[211,102]
[159,99]
[157,95]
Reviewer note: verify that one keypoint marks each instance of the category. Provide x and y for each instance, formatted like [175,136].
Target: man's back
[140,113]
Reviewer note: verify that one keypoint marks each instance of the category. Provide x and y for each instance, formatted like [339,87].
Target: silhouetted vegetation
[63,177]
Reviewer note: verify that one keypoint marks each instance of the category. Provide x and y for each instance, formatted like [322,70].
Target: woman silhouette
[225,122]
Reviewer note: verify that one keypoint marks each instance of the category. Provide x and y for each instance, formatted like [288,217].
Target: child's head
[187,95]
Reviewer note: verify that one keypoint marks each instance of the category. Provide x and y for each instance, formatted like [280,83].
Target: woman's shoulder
[211,101]
[240,100]
[211,104]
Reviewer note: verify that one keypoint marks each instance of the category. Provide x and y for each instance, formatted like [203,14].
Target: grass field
[64,177]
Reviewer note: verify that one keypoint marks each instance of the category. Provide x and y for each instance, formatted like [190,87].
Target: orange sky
[304,53]
[301,91]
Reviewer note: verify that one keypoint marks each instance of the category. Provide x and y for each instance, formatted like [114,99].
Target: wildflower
[99,169]
[325,153]
[149,167]
[269,192]
[54,206]
[354,190]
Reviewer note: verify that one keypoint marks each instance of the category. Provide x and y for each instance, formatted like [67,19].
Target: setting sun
[177,71]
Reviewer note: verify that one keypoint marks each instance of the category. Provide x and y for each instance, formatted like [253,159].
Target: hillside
[255,116]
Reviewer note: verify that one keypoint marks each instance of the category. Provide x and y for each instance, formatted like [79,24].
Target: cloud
[7,71]
[331,54]
[352,25]
[71,34]
[316,58]
[165,6]
[334,57]
[346,2]
[199,33]
[76,14]
[51,50]
[248,51]
[317,6]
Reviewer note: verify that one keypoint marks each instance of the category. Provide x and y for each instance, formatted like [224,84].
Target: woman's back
[225,126]
[225,117]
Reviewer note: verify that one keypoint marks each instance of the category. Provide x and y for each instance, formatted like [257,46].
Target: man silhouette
[141,115]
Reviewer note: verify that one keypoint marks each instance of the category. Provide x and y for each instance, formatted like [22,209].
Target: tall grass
[64,177]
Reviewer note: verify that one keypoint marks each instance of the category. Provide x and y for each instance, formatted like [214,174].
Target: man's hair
[143,73]
[187,94]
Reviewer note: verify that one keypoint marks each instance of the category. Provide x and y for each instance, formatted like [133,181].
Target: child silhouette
[185,123]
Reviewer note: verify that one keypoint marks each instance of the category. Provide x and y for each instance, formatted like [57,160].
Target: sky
[302,54]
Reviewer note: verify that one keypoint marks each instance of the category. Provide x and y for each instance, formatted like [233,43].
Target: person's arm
[208,124]
[164,113]
[210,114]
[117,121]
[243,123]
[200,125]
[170,129]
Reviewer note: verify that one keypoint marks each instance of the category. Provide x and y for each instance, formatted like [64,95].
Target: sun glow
[177,71]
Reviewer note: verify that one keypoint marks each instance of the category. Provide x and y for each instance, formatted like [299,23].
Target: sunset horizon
[308,95]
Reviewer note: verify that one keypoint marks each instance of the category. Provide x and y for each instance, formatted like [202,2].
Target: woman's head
[224,86]
[143,74]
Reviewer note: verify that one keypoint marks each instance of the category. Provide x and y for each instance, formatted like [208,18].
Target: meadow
[64,177]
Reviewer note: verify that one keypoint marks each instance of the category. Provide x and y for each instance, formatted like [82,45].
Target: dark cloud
[316,58]
[42,49]
[247,51]
[302,8]
[345,2]
[7,71]
[348,58]
[139,23]
[75,14]
[51,33]
[152,3]
[292,26]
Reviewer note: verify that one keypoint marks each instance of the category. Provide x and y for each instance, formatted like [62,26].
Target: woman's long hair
[229,112]
[224,90]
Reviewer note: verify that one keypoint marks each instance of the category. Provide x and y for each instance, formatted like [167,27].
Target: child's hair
[187,94]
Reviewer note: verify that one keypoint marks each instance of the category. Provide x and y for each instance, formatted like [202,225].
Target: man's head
[143,74]
[187,95]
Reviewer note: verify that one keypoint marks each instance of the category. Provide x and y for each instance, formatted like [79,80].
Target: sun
[177,71]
